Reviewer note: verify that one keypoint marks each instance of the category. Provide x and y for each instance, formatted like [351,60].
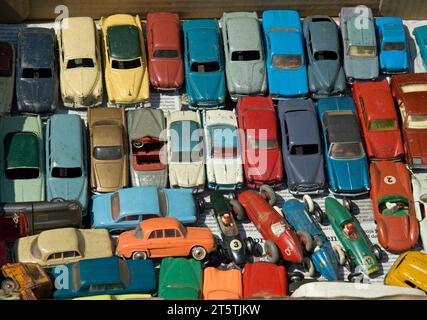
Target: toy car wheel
[307,240]
[271,251]
[139,255]
[237,209]
[348,204]
[349,264]
[308,267]
[201,204]
[268,194]
[295,276]
[198,253]
[378,252]
[355,277]
[309,203]
[250,245]
[341,254]
[9,285]
[320,216]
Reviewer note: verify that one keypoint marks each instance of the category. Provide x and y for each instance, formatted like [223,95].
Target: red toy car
[410,91]
[262,157]
[393,206]
[165,65]
[264,280]
[378,119]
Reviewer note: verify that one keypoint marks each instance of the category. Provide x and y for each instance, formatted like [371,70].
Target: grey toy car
[301,146]
[325,72]
[147,160]
[244,54]
[360,44]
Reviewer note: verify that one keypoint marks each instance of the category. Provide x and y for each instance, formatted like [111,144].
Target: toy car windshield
[33,73]
[205,66]
[249,55]
[108,153]
[80,63]
[382,125]
[286,61]
[325,55]
[350,150]
[394,46]
[166,54]
[278,228]
[304,149]
[224,141]
[362,51]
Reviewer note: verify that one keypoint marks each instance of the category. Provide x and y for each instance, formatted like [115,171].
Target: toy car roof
[166,35]
[377,99]
[286,42]
[58,240]
[36,46]
[123,42]
[242,28]
[360,36]
[83,45]
[6,55]
[281,19]
[22,150]
[324,35]
[145,123]
[420,32]
[203,39]
[342,126]
[138,200]
[392,29]
[101,271]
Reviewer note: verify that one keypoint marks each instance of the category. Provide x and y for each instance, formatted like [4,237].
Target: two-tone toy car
[7,76]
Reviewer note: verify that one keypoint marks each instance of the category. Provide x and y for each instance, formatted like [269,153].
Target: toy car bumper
[216,186]
[306,189]
[349,193]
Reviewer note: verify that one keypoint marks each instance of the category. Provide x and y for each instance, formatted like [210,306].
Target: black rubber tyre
[271,251]
[295,276]
[250,245]
[238,209]
[268,194]
[378,252]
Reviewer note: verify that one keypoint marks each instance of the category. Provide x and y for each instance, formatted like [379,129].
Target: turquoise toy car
[420,34]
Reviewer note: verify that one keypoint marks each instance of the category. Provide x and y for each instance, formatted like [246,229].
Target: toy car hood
[305,169]
[257,285]
[187,175]
[206,86]
[349,175]
[167,73]
[222,284]
[145,123]
[127,84]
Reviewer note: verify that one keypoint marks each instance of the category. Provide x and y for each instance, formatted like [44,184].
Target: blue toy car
[393,45]
[66,159]
[204,64]
[104,276]
[420,34]
[285,57]
[126,208]
[345,156]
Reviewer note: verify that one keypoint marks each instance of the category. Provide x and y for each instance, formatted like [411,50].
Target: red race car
[378,119]
[393,206]
[165,65]
[410,91]
[264,280]
[262,157]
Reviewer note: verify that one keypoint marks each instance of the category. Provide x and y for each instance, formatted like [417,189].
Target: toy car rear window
[250,55]
[126,64]
[362,51]
[393,46]
[166,54]
[286,61]
[80,63]
[33,73]
[325,55]
[58,172]
[382,125]
[205,66]
[108,153]
[305,149]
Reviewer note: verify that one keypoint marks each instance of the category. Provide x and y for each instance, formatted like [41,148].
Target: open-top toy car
[419,191]
[420,34]
[264,280]
[222,284]
[7,76]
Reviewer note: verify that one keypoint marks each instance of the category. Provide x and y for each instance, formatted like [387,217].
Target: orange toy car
[222,284]
[165,237]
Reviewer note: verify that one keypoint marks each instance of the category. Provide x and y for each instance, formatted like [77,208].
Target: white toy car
[419,187]
[185,150]
[223,153]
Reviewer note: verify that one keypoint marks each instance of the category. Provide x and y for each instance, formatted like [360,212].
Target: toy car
[222,284]
[264,280]
[180,278]
[62,246]
[301,146]
[147,160]
[224,169]
[66,159]
[409,91]
[420,34]
[110,275]
[80,63]
[244,54]
[37,83]
[324,64]
[360,44]
[185,150]
[262,157]
[204,64]
[393,45]
[108,149]
[285,56]
[359,252]
[345,156]
[125,208]
[126,72]
[7,76]
[165,237]
[22,166]
[393,206]
[419,191]
[378,120]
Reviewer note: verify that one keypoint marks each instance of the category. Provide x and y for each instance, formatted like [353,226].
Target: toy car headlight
[417,161]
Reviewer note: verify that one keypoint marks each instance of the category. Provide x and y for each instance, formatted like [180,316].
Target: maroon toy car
[165,65]
[264,280]
[262,157]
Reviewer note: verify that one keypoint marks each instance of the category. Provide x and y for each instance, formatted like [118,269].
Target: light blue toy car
[345,156]
[285,57]
[66,159]
[204,64]
[393,45]
[420,34]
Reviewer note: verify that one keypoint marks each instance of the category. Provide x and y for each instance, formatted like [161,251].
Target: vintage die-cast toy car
[125,208]
[126,72]
[301,146]
[244,54]
[419,191]
[165,237]
[204,64]
[264,280]
[37,82]
[224,168]
[378,120]
[392,44]
[147,159]
[345,156]
[22,166]
[109,169]
[165,63]
[325,72]
[222,284]
[393,206]
[180,278]
[262,157]
[420,34]
[285,56]
[66,159]
[110,275]
[410,91]
[7,76]
[359,251]
[185,150]
[80,66]
[360,44]
[62,246]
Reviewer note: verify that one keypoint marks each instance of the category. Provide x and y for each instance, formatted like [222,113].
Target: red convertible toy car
[262,157]
[410,91]
[165,65]
[264,280]
[378,120]
[393,206]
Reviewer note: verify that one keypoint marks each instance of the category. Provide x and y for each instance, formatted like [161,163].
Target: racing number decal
[390,180]
[235,244]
